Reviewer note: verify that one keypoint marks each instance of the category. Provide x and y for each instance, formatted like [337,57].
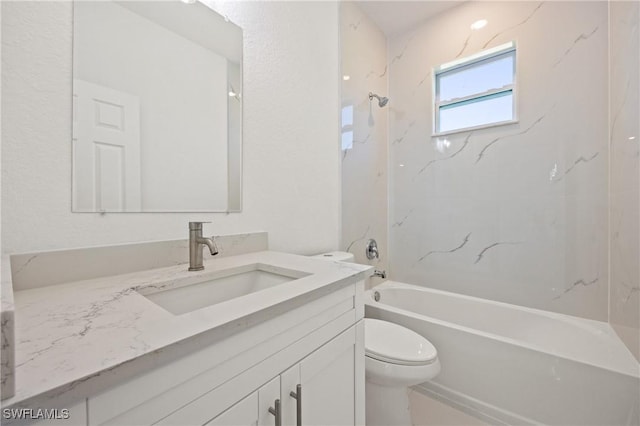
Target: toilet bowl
[395,358]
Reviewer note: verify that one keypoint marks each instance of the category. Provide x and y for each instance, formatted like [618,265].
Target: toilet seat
[395,344]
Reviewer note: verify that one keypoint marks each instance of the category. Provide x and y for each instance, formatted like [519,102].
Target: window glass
[494,73]
[476,91]
[492,109]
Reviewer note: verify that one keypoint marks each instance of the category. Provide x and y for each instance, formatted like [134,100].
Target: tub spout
[381,274]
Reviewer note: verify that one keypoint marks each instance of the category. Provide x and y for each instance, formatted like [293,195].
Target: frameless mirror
[157,108]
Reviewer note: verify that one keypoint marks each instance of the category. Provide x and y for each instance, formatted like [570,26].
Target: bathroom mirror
[157,108]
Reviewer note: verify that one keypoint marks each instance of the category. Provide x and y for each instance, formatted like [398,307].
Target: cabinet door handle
[277,412]
[297,395]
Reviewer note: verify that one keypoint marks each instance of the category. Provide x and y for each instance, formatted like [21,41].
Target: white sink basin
[183,297]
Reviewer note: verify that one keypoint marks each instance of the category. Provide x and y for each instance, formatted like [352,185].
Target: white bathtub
[514,365]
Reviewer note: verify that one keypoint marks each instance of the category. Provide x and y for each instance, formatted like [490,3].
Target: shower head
[382,101]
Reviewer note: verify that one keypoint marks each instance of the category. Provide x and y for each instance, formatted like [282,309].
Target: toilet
[395,358]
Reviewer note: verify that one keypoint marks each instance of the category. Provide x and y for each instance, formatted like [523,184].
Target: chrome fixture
[381,274]
[277,412]
[382,101]
[297,395]
[371,250]
[376,296]
[195,251]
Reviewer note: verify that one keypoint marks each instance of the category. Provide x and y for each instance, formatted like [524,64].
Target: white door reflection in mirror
[106,149]
[183,64]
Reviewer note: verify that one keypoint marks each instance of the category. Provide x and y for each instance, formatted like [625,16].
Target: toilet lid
[389,342]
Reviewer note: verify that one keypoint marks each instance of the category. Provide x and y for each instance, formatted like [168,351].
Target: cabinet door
[244,413]
[252,410]
[289,382]
[328,383]
[267,397]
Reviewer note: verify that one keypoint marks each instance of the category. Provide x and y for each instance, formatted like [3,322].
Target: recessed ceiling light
[346,77]
[631,138]
[481,23]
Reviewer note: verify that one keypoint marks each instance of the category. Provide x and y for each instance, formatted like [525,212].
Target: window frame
[468,62]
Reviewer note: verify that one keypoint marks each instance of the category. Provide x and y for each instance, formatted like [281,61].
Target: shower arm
[382,101]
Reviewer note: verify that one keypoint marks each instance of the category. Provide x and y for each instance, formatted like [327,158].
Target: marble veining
[624,203]
[579,283]
[501,138]
[381,75]
[580,160]
[355,26]
[500,183]
[464,145]
[453,250]
[364,235]
[93,262]
[578,39]
[7,331]
[513,27]
[364,169]
[631,291]
[72,334]
[405,133]
[25,265]
[6,345]
[401,222]
[621,108]
[362,141]
[399,56]
[492,246]
[464,45]
[427,77]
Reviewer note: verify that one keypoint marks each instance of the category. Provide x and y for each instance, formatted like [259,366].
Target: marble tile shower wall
[364,161]
[515,213]
[624,77]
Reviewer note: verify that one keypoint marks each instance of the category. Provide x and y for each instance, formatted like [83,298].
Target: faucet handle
[195,226]
[371,250]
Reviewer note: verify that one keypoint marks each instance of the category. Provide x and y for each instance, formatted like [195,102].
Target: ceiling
[394,17]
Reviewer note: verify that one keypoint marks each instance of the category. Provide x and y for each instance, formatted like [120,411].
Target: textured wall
[364,165]
[291,154]
[515,213]
[624,299]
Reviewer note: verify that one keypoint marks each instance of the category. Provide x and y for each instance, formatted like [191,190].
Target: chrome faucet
[381,274]
[195,251]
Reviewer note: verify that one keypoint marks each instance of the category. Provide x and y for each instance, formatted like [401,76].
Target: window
[476,91]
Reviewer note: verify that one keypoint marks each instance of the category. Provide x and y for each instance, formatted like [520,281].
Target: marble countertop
[89,332]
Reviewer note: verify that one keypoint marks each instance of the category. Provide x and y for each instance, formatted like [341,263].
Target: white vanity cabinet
[320,390]
[252,410]
[318,345]
[328,384]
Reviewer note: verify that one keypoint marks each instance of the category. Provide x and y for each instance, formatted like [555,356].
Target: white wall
[182,87]
[291,127]
[364,165]
[515,213]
